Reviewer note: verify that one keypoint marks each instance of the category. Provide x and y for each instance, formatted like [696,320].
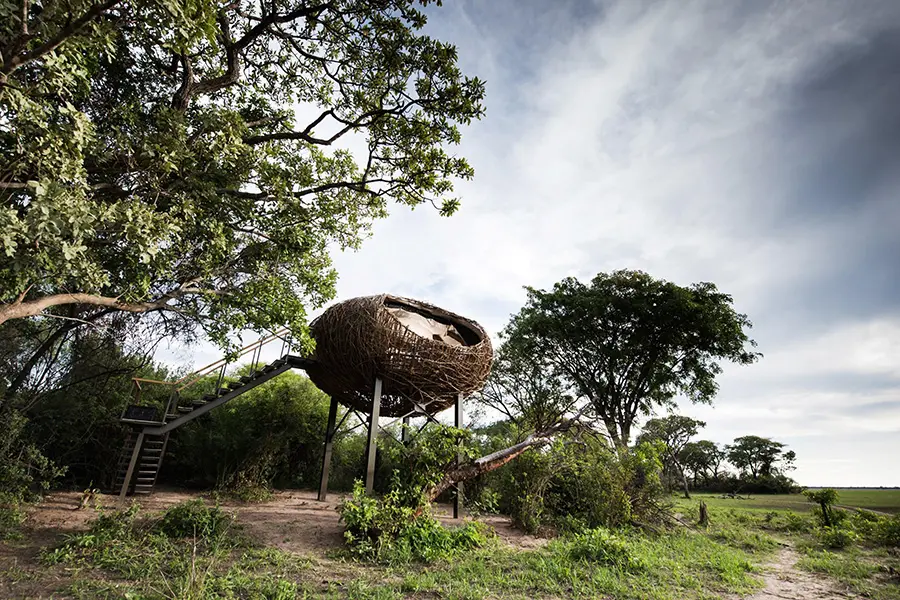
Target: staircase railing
[284,334]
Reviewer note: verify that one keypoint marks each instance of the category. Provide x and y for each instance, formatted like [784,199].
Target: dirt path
[784,581]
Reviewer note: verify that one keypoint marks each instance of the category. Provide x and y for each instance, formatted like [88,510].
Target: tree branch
[59,39]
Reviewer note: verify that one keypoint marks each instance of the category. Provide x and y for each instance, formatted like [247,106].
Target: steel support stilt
[371,448]
[457,498]
[326,456]
[135,454]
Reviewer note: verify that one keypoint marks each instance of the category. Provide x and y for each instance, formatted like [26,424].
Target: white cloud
[645,139]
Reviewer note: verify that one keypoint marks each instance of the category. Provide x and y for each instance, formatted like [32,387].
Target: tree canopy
[759,456]
[195,159]
[626,343]
[675,431]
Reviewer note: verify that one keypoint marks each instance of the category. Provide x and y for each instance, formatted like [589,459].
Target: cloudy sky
[749,143]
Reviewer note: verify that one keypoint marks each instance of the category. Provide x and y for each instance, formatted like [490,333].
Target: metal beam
[457,498]
[128,474]
[326,457]
[371,448]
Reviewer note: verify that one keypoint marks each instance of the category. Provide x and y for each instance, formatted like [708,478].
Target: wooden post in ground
[457,498]
[371,448]
[135,454]
[329,442]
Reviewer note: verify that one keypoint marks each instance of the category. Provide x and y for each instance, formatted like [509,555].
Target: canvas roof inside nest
[422,354]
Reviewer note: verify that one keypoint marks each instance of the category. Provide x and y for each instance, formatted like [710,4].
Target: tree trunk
[684,480]
[495,460]
[704,515]
[825,515]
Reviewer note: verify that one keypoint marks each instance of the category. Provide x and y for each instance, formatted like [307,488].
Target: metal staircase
[145,446]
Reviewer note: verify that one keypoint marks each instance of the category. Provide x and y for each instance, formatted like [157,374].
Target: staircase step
[209,397]
[278,363]
[185,409]
[223,391]
[246,378]
[235,385]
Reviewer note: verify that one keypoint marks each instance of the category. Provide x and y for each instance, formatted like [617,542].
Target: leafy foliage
[627,342]
[194,518]
[388,530]
[759,456]
[603,546]
[202,159]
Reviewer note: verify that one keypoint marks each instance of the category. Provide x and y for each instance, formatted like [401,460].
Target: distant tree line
[750,464]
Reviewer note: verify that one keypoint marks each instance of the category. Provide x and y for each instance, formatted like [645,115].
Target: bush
[825,499]
[195,519]
[582,485]
[11,519]
[387,530]
[887,531]
[876,529]
[836,537]
[602,546]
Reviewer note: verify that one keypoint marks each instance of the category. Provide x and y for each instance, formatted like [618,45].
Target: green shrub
[195,519]
[11,518]
[388,530]
[887,531]
[605,547]
[825,499]
[25,473]
[836,537]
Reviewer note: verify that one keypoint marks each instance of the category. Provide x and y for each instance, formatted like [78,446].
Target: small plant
[195,519]
[387,530]
[11,519]
[835,537]
[826,499]
[603,546]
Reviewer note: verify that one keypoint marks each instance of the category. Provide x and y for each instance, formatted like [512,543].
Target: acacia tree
[675,431]
[703,458]
[628,343]
[759,457]
[194,158]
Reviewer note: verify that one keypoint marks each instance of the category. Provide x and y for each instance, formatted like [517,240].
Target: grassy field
[882,500]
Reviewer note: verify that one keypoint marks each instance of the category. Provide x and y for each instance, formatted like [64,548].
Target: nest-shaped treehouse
[422,354]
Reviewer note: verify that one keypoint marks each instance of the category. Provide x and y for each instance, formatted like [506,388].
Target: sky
[749,143]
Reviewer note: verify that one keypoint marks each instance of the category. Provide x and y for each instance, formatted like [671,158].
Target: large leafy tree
[675,431]
[704,459]
[627,343]
[195,158]
[756,456]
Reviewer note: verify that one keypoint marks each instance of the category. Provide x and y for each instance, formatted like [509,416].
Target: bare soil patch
[784,581]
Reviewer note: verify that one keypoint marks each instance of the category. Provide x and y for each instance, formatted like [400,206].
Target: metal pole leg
[373,435]
[128,474]
[329,442]
[405,435]
[457,499]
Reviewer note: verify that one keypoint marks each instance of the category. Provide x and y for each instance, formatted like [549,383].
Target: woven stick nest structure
[422,354]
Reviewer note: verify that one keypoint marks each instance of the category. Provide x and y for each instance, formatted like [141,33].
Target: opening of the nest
[431,324]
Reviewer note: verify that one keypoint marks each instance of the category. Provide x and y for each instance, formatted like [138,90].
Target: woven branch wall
[363,338]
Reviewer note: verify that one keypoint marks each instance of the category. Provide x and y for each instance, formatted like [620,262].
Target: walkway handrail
[203,371]
[196,376]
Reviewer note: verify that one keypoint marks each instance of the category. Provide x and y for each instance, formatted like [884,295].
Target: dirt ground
[785,582]
[294,520]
